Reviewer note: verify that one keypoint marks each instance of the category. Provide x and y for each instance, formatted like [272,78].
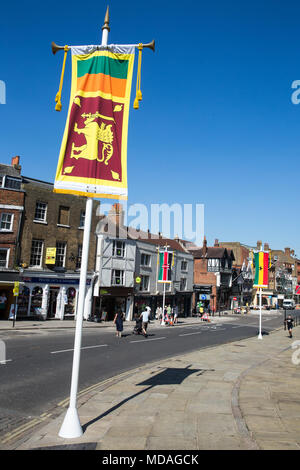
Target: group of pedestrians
[170,314]
[120,318]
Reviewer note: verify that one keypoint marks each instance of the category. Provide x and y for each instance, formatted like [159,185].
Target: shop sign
[50,255]
[53,280]
[138,280]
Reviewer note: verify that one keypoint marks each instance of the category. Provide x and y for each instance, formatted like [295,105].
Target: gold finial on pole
[106,20]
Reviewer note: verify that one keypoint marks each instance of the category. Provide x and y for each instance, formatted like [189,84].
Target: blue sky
[216,125]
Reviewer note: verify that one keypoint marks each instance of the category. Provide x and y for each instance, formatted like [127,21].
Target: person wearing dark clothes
[289,324]
[118,320]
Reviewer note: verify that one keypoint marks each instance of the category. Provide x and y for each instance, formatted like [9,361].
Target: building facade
[50,252]
[11,219]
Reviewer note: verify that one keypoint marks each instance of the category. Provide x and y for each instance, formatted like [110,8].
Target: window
[6,222]
[117,277]
[4,257]
[36,252]
[79,256]
[119,249]
[40,211]
[145,260]
[213,265]
[144,285]
[183,283]
[82,219]
[12,183]
[184,265]
[64,215]
[60,254]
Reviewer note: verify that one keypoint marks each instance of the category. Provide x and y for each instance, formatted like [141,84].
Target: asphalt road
[37,374]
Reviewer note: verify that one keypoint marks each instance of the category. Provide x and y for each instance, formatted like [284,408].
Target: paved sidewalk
[241,395]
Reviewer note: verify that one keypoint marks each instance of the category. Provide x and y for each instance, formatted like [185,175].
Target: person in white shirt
[145,318]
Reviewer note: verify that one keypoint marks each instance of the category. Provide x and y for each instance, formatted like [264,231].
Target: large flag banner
[261,262]
[93,155]
[164,270]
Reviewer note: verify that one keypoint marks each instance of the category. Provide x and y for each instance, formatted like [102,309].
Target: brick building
[51,248]
[212,276]
[11,213]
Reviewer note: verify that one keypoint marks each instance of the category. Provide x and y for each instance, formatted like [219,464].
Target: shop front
[49,297]
[112,299]
[7,299]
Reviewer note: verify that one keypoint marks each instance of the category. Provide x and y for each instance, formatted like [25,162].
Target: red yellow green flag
[93,155]
[261,261]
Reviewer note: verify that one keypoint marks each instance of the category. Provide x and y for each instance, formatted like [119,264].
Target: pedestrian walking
[118,321]
[175,314]
[289,324]
[145,319]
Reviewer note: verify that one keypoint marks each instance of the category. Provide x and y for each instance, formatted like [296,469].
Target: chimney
[259,244]
[204,249]
[287,251]
[159,235]
[266,247]
[116,214]
[216,242]
[15,162]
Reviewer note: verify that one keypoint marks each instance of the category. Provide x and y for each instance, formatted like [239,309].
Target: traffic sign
[297,290]
[203,297]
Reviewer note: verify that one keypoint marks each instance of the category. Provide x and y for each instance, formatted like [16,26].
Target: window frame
[57,263]
[37,254]
[115,248]
[41,220]
[11,222]
[114,277]
[7,257]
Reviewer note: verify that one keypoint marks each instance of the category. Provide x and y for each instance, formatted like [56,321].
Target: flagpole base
[260,336]
[71,427]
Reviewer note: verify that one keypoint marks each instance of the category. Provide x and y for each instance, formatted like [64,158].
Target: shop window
[4,257]
[61,248]
[23,301]
[40,214]
[145,260]
[64,216]
[36,252]
[71,301]
[118,248]
[6,222]
[117,277]
[36,300]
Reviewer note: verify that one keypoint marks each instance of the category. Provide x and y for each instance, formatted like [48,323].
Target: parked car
[288,304]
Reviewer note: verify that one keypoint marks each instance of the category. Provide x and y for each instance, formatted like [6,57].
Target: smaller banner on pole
[261,262]
[165,262]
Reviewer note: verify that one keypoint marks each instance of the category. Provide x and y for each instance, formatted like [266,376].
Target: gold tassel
[58,94]
[139,95]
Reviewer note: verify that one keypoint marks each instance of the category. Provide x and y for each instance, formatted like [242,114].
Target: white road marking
[189,334]
[86,347]
[147,340]
[5,361]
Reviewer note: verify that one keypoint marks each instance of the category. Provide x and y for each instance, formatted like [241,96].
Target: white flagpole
[260,335]
[163,308]
[71,427]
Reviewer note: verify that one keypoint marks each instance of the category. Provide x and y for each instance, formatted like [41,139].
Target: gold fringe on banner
[138,96]
[58,105]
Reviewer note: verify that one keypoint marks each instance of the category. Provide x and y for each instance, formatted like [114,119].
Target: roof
[213,252]
[9,171]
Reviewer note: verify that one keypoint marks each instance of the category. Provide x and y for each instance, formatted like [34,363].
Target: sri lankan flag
[93,155]
[261,263]
[164,270]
